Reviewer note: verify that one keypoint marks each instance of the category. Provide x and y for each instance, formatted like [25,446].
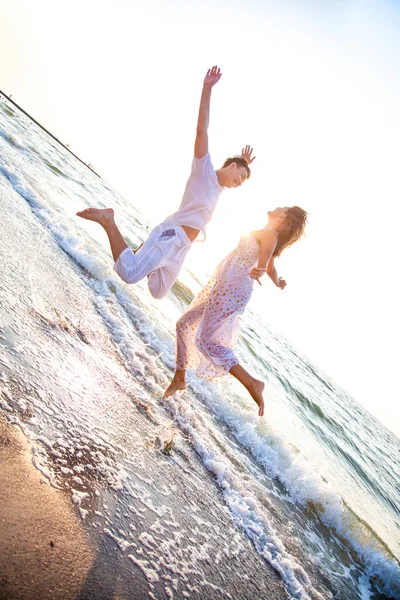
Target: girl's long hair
[292,229]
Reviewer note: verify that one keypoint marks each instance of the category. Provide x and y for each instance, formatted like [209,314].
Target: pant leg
[187,356]
[161,280]
[134,267]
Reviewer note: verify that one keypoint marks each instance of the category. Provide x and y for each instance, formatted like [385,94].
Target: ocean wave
[271,451]
[13,140]
[244,509]
[54,168]
[306,487]
[7,109]
[303,484]
[20,186]
[182,293]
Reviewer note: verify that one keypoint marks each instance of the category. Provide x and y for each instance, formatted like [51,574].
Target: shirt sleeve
[202,165]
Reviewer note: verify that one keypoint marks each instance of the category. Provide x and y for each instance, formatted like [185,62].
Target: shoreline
[9,99]
[45,551]
[158,525]
[48,552]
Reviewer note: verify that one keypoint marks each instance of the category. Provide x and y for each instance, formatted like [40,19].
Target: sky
[313,86]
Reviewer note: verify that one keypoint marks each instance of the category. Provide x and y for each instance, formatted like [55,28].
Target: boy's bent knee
[158,294]
[157,286]
[125,267]
[129,277]
[156,289]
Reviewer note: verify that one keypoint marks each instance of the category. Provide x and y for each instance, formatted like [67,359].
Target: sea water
[312,488]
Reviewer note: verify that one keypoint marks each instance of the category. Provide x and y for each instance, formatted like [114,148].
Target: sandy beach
[98,508]
[44,549]
[46,552]
[91,506]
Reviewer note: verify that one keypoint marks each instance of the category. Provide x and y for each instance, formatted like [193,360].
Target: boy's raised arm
[201,143]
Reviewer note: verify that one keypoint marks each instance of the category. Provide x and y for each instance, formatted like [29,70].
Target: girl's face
[278,214]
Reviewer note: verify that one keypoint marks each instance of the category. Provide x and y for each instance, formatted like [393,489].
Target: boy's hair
[240,161]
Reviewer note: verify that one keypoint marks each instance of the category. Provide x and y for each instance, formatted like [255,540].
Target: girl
[207,331]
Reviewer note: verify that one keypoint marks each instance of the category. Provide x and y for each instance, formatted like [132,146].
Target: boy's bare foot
[256,390]
[175,385]
[103,216]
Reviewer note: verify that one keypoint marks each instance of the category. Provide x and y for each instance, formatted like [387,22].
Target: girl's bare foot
[103,216]
[256,390]
[252,385]
[176,384]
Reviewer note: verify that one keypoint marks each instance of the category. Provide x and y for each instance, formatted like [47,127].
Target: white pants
[160,257]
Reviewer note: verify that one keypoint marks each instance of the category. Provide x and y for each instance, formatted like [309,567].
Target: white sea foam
[149,569]
[243,513]
[13,139]
[20,186]
[271,451]
[78,496]
[301,480]
[120,541]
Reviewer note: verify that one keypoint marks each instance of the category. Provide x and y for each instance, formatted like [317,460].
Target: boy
[161,256]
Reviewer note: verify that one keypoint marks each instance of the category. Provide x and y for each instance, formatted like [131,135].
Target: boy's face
[236,175]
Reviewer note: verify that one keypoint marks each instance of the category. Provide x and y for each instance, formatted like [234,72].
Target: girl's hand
[256,273]
[281,283]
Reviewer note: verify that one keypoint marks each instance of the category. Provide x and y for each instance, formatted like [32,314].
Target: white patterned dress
[207,331]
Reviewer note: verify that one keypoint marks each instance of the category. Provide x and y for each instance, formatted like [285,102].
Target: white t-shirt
[200,197]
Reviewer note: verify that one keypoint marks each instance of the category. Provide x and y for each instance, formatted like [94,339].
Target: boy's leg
[105,218]
[130,266]
[162,279]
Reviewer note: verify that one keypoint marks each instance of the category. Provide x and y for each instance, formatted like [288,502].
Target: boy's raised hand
[212,77]
[246,153]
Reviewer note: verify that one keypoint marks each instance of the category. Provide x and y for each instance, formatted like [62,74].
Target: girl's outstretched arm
[272,273]
[268,240]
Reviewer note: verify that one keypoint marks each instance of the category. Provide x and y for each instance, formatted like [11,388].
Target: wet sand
[156,526]
[47,553]
[44,550]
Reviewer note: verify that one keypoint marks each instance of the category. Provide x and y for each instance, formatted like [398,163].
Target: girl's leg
[186,352]
[215,339]
[178,383]
[252,385]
